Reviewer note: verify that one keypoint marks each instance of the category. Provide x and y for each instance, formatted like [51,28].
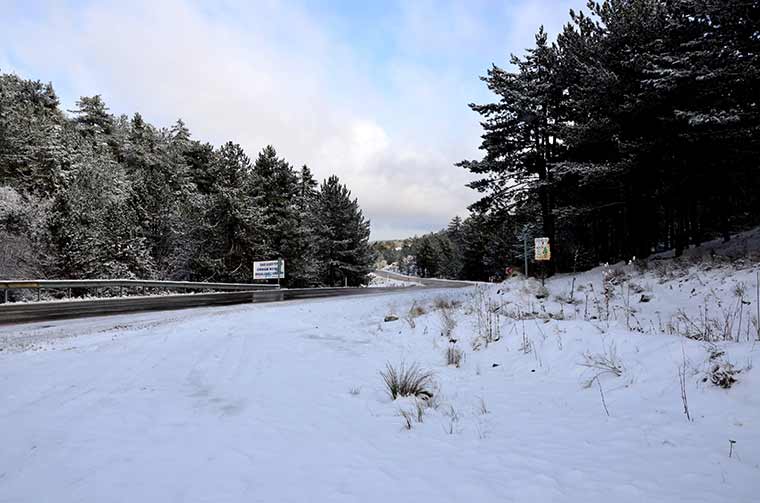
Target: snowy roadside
[572,397]
[383,282]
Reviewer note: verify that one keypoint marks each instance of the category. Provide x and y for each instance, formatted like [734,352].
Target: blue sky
[375,92]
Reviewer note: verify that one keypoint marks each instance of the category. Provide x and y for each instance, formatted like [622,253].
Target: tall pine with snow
[522,134]
[275,187]
[93,229]
[307,267]
[36,140]
[343,251]
[636,131]
[114,196]
[229,237]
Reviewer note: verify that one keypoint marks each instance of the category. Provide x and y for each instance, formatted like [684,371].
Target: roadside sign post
[269,269]
[542,253]
[525,247]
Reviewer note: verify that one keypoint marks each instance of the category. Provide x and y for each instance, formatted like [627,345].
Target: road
[38,311]
[428,282]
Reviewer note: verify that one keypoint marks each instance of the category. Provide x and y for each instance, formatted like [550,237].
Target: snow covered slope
[554,399]
[376,281]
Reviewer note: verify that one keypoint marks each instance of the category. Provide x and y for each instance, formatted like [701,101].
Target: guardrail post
[38,294]
[6,296]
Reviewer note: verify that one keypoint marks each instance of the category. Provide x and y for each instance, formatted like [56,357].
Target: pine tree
[635,131]
[343,249]
[35,143]
[521,134]
[276,189]
[201,160]
[708,75]
[306,267]
[92,116]
[180,134]
[427,257]
[94,233]
[23,237]
[230,237]
[450,264]
[454,230]
[158,175]
[127,199]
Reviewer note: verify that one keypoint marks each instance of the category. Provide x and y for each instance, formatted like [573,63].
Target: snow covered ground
[285,402]
[382,282]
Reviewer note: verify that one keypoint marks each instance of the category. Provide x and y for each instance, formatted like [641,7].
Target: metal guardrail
[19,312]
[121,284]
[39,311]
[104,283]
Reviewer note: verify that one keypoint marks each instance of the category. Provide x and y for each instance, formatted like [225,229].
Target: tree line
[635,131]
[93,195]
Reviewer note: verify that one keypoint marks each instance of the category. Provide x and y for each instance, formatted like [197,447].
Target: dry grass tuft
[448,322]
[415,311]
[445,303]
[454,356]
[607,361]
[407,381]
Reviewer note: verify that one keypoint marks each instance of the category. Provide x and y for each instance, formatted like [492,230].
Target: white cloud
[270,73]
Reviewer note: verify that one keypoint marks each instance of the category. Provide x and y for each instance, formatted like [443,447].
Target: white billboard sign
[269,269]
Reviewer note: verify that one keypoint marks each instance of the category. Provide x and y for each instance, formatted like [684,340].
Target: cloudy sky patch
[375,92]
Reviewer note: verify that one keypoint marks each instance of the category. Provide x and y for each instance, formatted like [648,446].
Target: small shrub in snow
[720,371]
[448,322]
[526,346]
[415,311]
[354,391]
[729,321]
[723,374]
[407,381]
[740,290]
[569,298]
[488,319]
[444,303]
[615,276]
[454,356]
[606,361]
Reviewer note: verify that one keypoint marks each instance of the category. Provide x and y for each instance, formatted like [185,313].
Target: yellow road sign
[542,249]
